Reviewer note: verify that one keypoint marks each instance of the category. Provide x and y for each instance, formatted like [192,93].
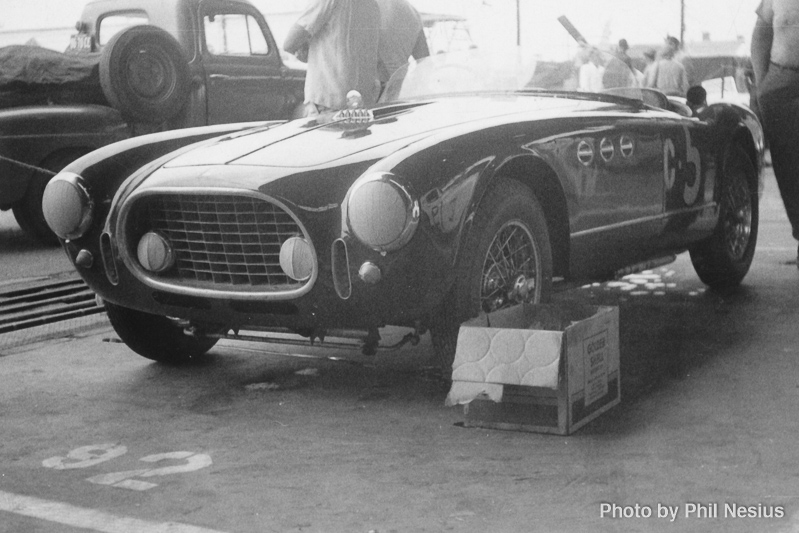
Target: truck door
[244,75]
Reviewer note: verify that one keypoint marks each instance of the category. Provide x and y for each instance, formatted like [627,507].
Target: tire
[144,74]
[724,259]
[509,216]
[28,212]
[156,337]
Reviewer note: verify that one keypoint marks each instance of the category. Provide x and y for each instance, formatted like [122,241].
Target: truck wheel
[144,74]
[506,260]
[28,212]
[724,259]
[156,337]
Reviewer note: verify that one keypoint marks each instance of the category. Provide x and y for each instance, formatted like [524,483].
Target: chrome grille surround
[227,242]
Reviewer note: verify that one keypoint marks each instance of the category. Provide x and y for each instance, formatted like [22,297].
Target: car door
[619,193]
[689,181]
[244,75]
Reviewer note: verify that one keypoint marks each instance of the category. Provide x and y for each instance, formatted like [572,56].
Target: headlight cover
[381,212]
[68,208]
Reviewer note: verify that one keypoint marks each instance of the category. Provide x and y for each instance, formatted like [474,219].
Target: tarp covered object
[32,75]
[37,65]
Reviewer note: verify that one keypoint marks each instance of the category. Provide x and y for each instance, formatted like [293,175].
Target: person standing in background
[668,74]
[648,75]
[401,36]
[775,60]
[591,72]
[619,71]
[341,38]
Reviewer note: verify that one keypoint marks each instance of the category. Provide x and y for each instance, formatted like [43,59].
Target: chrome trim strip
[653,218]
[132,264]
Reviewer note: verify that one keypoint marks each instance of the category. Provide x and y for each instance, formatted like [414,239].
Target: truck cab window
[112,24]
[234,35]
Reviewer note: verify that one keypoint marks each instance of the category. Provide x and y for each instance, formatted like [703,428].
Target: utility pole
[518,23]
[682,22]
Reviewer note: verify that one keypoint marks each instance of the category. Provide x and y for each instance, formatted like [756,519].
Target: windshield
[478,71]
[554,57]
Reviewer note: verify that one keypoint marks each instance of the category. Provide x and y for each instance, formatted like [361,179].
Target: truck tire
[28,212]
[144,74]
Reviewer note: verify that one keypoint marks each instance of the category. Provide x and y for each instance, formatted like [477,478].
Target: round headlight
[381,212]
[67,206]
[296,258]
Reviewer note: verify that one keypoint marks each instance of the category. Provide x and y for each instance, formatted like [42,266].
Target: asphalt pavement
[262,439]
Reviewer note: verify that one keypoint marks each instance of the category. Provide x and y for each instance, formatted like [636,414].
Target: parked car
[134,67]
[467,189]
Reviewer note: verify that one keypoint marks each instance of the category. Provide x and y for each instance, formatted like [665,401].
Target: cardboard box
[546,368]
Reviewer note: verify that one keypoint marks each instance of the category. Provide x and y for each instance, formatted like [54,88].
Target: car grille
[221,239]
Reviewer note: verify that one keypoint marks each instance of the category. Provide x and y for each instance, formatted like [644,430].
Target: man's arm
[420,49]
[296,39]
[762,36]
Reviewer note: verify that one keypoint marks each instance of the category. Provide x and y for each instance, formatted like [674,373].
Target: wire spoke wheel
[506,260]
[737,205]
[510,272]
[722,260]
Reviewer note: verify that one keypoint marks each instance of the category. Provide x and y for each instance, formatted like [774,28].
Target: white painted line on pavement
[69,515]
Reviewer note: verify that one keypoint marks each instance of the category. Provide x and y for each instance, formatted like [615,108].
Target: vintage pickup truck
[141,66]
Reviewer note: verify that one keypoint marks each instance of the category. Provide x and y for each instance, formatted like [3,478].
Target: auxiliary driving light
[370,273]
[155,252]
[296,258]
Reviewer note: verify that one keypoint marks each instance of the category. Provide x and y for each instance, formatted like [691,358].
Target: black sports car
[468,188]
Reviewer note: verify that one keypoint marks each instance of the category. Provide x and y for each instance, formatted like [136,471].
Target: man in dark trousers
[775,59]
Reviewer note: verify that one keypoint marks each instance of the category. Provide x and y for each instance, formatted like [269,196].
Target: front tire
[506,260]
[723,260]
[156,337]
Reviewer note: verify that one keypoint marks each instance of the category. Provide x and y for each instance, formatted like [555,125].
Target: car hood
[308,143]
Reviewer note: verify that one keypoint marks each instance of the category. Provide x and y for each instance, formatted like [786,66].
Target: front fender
[105,169]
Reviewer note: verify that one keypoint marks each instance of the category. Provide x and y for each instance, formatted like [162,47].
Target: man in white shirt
[341,38]
[669,75]
[401,36]
[775,59]
[591,72]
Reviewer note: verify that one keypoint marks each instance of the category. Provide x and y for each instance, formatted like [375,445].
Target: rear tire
[723,260]
[506,260]
[156,337]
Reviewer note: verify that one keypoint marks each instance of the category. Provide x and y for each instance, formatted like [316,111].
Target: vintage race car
[471,186]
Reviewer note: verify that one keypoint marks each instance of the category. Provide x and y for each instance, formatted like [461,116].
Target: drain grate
[42,303]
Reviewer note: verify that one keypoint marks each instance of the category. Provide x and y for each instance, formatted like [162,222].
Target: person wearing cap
[775,60]
[669,75]
[619,71]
